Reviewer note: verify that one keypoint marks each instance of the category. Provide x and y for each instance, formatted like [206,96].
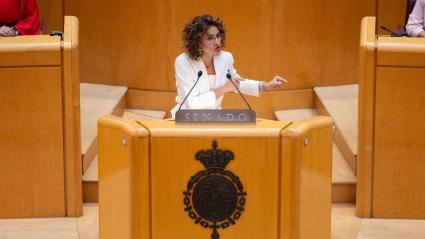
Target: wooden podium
[391,144]
[161,180]
[40,155]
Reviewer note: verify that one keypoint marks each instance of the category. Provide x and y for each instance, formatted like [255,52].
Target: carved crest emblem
[215,198]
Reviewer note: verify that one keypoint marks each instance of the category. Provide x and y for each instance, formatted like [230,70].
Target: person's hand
[275,83]
[421,34]
[227,87]
[6,31]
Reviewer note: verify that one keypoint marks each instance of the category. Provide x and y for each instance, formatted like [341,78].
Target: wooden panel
[271,37]
[391,13]
[401,51]
[344,193]
[51,15]
[123,170]
[264,106]
[90,192]
[31,143]
[30,51]
[311,52]
[256,165]
[366,117]
[399,164]
[151,100]
[71,111]
[257,18]
[304,174]
[306,179]
[120,46]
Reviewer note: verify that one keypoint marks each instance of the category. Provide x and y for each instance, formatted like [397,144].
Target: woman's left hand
[6,32]
[275,83]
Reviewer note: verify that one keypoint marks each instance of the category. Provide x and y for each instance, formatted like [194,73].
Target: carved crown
[214,159]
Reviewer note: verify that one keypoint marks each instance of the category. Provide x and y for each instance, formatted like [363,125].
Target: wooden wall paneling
[151,100]
[367,61]
[71,111]
[390,13]
[306,179]
[123,170]
[399,160]
[248,34]
[250,37]
[51,15]
[124,44]
[316,44]
[31,143]
[139,43]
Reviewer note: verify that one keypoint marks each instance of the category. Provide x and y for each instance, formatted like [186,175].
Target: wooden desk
[40,159]
[391,160]
[145,166]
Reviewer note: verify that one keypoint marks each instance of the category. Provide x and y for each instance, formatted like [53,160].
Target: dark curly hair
[196,28]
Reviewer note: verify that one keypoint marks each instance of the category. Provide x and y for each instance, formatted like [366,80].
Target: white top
[213,82]
[203,96]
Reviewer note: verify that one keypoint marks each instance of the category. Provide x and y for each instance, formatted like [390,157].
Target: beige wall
[135,43]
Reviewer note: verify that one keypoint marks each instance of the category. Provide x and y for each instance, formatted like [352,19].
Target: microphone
[393,34]
[199,76]
[237,88]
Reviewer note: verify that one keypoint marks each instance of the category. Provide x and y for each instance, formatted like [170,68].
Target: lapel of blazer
[203,81]
[219,69]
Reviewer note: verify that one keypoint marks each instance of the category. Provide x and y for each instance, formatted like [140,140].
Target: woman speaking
[204,38]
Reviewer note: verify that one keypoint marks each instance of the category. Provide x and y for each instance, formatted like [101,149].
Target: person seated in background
[204,38]
[19,17]
[416,23]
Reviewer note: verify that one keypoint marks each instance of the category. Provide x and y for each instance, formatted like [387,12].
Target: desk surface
[168,128]
[28,51]
[400,51]
[30,43]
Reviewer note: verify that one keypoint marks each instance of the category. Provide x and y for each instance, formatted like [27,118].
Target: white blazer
[202,96]
[416,22]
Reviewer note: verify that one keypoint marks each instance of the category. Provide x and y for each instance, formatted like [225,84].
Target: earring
[200,51]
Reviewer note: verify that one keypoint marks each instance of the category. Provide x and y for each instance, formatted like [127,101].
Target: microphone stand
[237,88]
[199,76]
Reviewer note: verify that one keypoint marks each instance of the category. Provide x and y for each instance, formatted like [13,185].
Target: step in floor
[96,100]
[343,177]
[91,175]
[341,102]
[137,114]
